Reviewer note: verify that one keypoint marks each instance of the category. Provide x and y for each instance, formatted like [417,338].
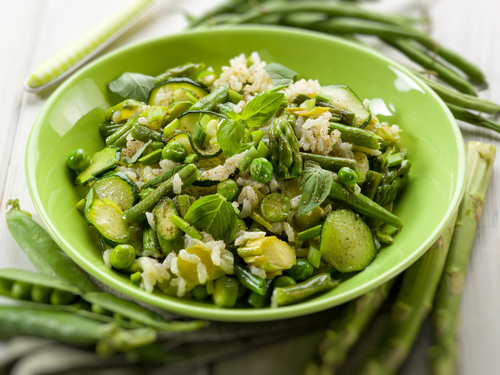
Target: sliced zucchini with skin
[207,152]
[189,119]
[173,84]
[119,187]
[346,242]
[345,98]
[170,237]
[102,161]
[175,111]
[106,216]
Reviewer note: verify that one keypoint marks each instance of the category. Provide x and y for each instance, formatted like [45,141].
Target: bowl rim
[243,315]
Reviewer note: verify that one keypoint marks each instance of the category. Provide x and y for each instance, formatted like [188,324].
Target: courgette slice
[345,98]
[119,187]
[169,236]
[189,119]
[346,242]
[207,152]
[184,139]
[102,161]
[173,84]
[106,216]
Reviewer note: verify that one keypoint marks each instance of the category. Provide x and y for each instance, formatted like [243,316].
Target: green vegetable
[260,220]
[209,102]
[184,70]
[61,297]
[345,98]
[200,292]
[245,163]
[296,293]
[136,278]
[225,291]
[78,159]
[174,151]
[347,176]
[261,170]
[394,160]
[230,135]
[275,207]
[261,109]
[283,281]
[108,128]
[215,215]
[357,136]
[122,256]
[169,235]
[150,245]
[310,233]
[119,187]
[330,163]
[268,253]
[346,242]
[145,134]
[173,85]
[314,256]
[301,271]
[191,159]
[132,86]
[122,111]
[21,290]
[464,115]
[150,159]
[102,161]
[184,202]
[185,227]
[228,189]
[316,184]
[161,178]
[41,294]
[234,97]
[281,75]
[284,148]
[246,278]
[131,161]
[106,216]
[119,137]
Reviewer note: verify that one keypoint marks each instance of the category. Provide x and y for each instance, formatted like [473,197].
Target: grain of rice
[289,231]
[106,258]
[295,202]
[305,87]
[151,220]
[245,236]
[222,172]
[177,184]
[316,135]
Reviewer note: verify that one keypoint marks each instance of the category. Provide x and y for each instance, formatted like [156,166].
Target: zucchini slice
[189,119]
[346,242]
[169,236]
[102,161]
[106,216]
[345,98]
[119,187]
[173,84]
[207,152]
[184,139]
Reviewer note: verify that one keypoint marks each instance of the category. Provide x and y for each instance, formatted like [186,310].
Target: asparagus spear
[412,306]
[344,332]
[480,159]
[284,148]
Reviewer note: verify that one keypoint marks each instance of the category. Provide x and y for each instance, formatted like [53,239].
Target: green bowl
[71,116]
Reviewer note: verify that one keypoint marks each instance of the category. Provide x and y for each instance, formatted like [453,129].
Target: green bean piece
[61,297]
[300,271]
[260,220]
[174,151]
[41,294]
[114,138]
[234,97]
[228,189]
[358,136]
[144,193]
[259,301]
[150,245]
[190,159]
[131,161]
[362,205]
[383,237]
[261,170]
[171,128]
[394,160]
[21,290]
[225,108]
[209,102]
[314,256]
[139,314]
[296,293]
[184,201]
[283,281]
[108,128]
[136,278]
[251,154]
[257,136]
[122,256]
[310,233]
[225,291]
[200,292]
[331,163]
[161,178]
[246,278]
[372,182]
[150,159]
[145,134]
[262,150]
[78,159]
[275,207]
[188,174]
[347,176]
[466,116]
[184,226]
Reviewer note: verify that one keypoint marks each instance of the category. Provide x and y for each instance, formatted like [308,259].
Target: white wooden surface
[32,30]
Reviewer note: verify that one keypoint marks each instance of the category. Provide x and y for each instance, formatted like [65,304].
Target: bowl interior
[71,117]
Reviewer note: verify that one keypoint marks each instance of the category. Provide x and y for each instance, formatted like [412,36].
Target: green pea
[61,297]
[261,170]
[200,292]
[175,151]
[122,256]
[40,294]
[136,278]
[275,207]
[301,271]
[98,309]
[347,176]
[228,189]
[120,316]
[21,290]
[78,159]
[284,281]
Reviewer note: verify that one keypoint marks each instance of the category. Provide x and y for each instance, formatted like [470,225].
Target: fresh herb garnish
[132,86]
[215,215]
[316,184]
[280,74]
[260,109]
[231,135]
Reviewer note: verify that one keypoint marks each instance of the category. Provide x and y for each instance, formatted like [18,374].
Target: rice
[177,184]
[132,146]
[257,271]
[222,172]
[245,236]
[295,202]
[316,135]
[308,87]
[249,199]
[151,220]
[106,258]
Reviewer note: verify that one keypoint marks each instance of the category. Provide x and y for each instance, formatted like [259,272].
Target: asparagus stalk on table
[480,159]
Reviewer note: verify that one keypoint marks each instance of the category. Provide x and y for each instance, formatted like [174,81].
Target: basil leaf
[132,86]
[215,215]
[231,135]
[260,109]
[316,184]
[280,74]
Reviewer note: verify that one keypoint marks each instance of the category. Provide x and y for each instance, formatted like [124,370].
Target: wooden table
[33,30]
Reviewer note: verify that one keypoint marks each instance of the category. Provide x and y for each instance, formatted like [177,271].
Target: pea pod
[43,251]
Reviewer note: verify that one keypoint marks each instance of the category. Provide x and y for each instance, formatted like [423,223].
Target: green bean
[145,192]
[145,134]
[358,136]
[41,249]
[108,128]
[225,291]
[150,159]
[310,233]
[246,278]
[184,226]
[462,100]
[296,293]
[259,301]
[371,184]
[150,245]
[117,135]
[161,178]
[331,163]
[446,74]
[466,116]
[209,102]
[184,201]
[139,314]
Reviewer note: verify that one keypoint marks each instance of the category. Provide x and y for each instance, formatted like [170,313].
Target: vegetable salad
[248,189]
